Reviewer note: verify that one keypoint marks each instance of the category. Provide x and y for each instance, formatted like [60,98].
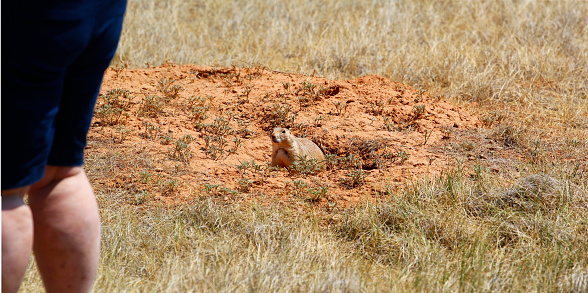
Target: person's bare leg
[67,229]
[17,238]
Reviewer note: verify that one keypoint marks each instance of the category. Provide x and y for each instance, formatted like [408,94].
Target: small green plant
[278,115]
[219,127]
[350,161]
[168,89]
[151,106]
[286,86]
[216,145]
[307,87]
[389,125]
[418,111]
[355,178]
[245,184]
[236,144]
[331,161]
[427,136]
[122,132]
[218,190]
[256,167]
[340,108]
[229,79]
[263,170]
[197,107]
[403,156]
[309,94]
[306,191]
[318,121]
[118,68]
[379,161]
[198,114]
[247,91]
[467,145]
[479,172]
[246,133]
[145,176]
[243,166]
[377,107]
[169,187]
[283,115]
[304,101]
[299,186]
[228,191]
[112,107]
[181,150]
[167,139]
[151,130]
[141,198]
[211,189]
[306,166]
[315,194]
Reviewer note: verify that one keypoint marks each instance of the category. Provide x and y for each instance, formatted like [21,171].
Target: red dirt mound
[176,132]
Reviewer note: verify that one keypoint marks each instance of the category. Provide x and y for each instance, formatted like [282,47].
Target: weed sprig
[113,107]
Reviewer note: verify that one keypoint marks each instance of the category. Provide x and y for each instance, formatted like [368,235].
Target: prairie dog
[286,148]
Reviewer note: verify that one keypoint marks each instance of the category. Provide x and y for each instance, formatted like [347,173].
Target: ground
[172,133]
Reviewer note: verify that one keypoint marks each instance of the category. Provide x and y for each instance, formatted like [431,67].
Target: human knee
[56,173]
[12,201]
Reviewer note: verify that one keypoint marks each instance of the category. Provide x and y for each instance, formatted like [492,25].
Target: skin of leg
[67,229]
[17,238]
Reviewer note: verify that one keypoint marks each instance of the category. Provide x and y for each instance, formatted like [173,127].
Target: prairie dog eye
[283,131]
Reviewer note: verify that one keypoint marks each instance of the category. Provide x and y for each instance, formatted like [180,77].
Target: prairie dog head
[281,136]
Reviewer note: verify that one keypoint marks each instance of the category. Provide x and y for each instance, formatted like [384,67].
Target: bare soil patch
[172,133]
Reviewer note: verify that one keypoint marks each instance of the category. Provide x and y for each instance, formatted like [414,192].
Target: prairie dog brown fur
[286,148]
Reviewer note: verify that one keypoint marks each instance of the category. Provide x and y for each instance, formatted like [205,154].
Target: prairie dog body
[286,148]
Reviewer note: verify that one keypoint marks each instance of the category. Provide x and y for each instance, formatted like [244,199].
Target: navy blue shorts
[54,54]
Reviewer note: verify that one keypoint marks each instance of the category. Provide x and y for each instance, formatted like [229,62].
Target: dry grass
[523,63]
[531,56]
[435,235]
